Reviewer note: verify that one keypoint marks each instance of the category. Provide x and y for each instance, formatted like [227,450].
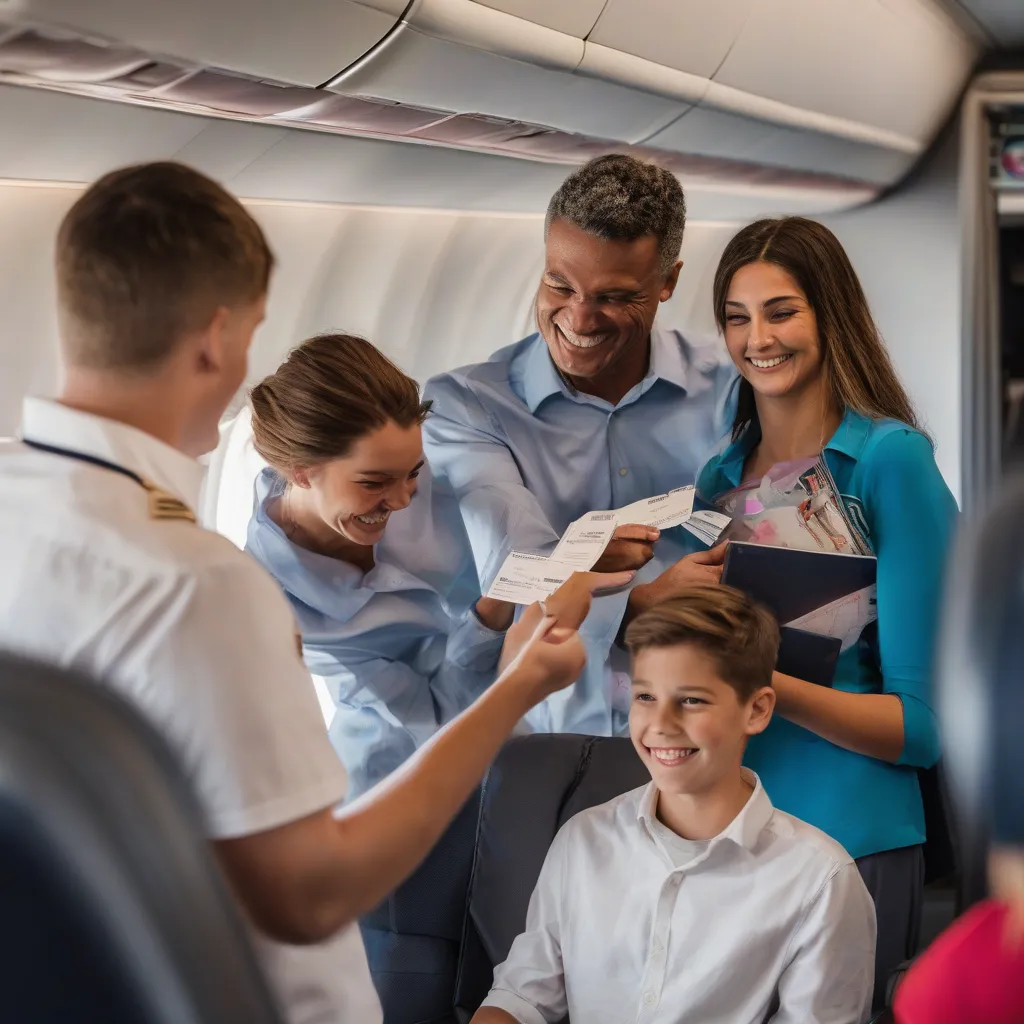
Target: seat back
[981,684]
[940,856]
[113,906]
[536,784]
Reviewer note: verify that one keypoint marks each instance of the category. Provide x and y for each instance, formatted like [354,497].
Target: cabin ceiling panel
[1003,20]
[56,137]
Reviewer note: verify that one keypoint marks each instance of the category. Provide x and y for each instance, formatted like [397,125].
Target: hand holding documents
[525,578]
[815,595]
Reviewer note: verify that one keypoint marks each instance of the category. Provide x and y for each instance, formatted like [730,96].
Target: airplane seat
[940,857]
[412,939]
[113,906]
[535,785]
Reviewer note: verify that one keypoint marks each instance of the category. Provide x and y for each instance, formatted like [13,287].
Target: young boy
[692,900]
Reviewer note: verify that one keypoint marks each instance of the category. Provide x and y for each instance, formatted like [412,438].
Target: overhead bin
[841,96]
[573,17]
[304,42]
[473,59]
[897,65]
[687,35]
[731,136]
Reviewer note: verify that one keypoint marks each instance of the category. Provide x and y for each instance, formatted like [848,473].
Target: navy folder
[790,583]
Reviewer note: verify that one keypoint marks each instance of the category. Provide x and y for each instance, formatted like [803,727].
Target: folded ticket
[525,578]
[707,525]
[662,512]
[582,543]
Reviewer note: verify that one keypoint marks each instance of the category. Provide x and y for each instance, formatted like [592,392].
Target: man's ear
[762,704]
[212,339]
[670,282]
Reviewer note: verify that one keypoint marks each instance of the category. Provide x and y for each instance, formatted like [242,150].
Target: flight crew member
[596,410]
[162,279]
[339,426]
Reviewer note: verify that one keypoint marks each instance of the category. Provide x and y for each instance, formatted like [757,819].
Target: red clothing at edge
[971,974]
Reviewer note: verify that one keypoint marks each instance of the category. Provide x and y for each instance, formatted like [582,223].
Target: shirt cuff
[473,645]
[524,1012]
[920,732]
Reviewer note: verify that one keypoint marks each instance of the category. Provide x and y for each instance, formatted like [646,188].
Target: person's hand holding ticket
[631,547]
[603,541]
[567,606]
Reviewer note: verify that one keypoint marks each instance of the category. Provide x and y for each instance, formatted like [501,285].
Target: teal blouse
[886,474]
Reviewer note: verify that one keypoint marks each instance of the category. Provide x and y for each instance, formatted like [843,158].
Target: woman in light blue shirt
[339,425]
[826,453]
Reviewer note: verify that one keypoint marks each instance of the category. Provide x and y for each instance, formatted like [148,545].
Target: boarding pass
[525,578]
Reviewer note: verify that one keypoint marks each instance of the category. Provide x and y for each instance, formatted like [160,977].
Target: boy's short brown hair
[147,255]
[740,636]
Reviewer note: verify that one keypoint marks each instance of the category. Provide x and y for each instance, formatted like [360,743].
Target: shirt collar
[851,435]
[541,379]
[744,830]
[330,585]
[49,422]
[850,438]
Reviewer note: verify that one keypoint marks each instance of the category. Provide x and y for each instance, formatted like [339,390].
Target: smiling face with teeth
[771,332]
[688,725]
[348,501]
[596,306]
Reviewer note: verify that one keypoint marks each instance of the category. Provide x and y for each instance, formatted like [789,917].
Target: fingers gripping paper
[525,578]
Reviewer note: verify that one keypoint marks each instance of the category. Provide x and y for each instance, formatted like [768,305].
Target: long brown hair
[856,366]
[331,391]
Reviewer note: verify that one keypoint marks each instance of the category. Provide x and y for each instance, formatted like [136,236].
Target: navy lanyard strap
[162,505]
[93,460]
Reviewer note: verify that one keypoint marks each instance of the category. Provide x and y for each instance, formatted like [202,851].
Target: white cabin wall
[906,250]
[434,290]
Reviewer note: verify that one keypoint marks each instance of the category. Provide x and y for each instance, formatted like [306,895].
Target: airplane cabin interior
[399,156]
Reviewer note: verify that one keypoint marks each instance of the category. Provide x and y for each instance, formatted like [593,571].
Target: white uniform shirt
[194,633]
[616,932]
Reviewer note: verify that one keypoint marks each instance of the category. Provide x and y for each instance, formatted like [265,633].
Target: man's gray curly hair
[624,198]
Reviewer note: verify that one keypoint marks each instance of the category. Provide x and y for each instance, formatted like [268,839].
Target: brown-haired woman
[826,454]
[339,425]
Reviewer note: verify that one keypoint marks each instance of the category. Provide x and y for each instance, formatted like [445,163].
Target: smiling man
[596,410]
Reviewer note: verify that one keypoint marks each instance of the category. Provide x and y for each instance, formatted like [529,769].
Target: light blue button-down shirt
[524,455]
[396,665]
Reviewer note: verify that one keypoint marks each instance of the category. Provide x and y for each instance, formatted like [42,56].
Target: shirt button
[650,998]
[623,471]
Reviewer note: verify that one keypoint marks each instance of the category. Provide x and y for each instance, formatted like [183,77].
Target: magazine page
[796,505]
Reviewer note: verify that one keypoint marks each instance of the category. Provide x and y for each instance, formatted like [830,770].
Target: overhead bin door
[573,17]
[896,65]
[688,35]
[472,58]
[305,42]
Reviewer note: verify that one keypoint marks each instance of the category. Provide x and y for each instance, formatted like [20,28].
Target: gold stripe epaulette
[163,505]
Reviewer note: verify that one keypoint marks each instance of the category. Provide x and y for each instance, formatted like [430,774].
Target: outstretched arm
[303,881]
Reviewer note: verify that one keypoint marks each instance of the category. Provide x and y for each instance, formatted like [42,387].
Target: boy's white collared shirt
[616,932]
[192,632]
